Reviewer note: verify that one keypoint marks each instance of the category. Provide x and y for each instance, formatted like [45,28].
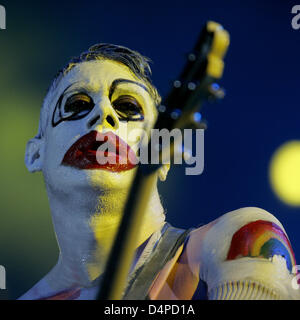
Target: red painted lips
[83,154]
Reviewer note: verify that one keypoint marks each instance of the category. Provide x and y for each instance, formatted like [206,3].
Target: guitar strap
[167,246]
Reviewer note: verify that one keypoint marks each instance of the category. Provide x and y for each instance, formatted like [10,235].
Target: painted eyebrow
[118,81]
[68,87]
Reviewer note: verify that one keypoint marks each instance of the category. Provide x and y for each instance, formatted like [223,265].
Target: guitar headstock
[197,82]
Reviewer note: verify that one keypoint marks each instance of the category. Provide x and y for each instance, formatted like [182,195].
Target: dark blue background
[261,108]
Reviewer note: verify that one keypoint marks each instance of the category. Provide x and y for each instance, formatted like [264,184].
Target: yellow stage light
[285,172]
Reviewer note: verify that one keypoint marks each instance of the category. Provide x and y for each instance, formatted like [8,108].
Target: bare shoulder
[241,232]
[248,244]
[238,218]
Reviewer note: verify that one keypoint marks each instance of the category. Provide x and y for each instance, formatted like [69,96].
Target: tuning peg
[161,108]
[197,121]
[177,84]
[191,57]
[175,114]
[216,92]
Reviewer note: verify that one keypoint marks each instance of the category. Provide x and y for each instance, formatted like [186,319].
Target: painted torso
[245,245]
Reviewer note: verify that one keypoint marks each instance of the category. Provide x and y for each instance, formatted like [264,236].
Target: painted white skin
[86,205]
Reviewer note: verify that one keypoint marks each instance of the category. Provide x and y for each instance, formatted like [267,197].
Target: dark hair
[136,62]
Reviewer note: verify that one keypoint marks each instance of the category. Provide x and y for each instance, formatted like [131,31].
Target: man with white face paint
[97,97]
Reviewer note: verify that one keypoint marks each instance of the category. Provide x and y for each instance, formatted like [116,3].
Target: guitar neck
[195,85]
[124,246]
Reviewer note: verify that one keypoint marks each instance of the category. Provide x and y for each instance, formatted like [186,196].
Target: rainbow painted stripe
[261,239]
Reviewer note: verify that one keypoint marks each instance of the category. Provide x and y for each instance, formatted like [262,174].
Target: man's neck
[85,227]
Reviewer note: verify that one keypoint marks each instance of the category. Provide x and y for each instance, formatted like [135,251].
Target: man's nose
[104,115]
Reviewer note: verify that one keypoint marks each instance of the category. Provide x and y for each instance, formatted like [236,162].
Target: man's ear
[34,154]
[163,171]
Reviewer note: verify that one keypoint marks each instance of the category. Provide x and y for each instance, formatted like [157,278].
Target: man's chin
[110,180]
[66,178]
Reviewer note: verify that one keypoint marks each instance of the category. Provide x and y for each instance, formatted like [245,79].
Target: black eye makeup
[77,106]
[128,108]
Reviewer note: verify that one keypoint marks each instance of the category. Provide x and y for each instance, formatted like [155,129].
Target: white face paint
[94,79]
[87,204]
